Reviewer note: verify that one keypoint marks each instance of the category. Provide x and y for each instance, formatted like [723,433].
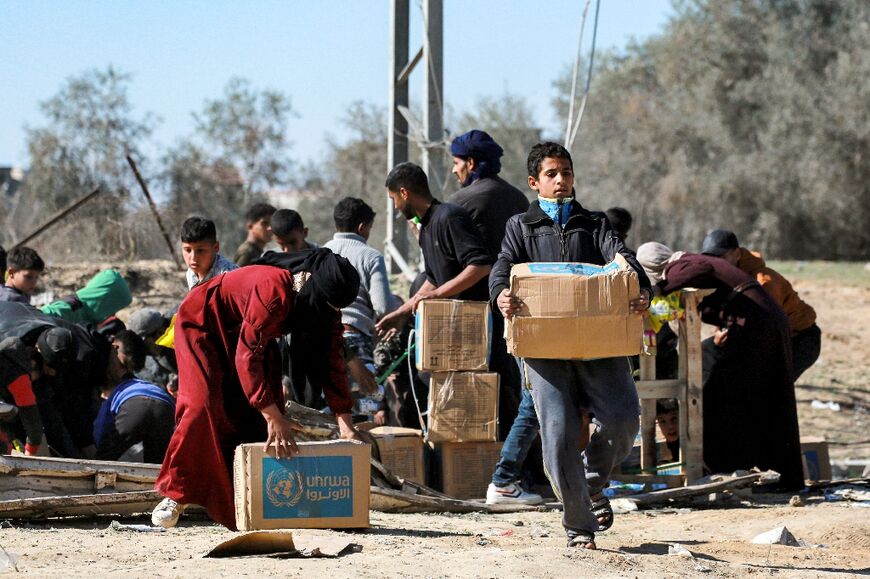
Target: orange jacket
[800,314]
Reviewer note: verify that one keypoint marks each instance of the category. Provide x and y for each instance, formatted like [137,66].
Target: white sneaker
[511,494]
[166,513]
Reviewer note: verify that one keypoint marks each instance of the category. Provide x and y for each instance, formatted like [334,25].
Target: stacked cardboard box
[401,450]
[453,343]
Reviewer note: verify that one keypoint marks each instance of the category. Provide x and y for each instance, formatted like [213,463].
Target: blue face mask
[559,210]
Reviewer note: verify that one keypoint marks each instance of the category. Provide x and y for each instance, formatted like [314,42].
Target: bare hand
[720,336]
[639,305]
[380,417]
[280,433]
[391,324]
[508,304]
[364,379]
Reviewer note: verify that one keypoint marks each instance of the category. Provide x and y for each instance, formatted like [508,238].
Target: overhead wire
[569,142]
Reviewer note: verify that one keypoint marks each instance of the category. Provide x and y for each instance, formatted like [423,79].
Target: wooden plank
[647,415]
[692,445]
[391,501]
[667,495]
[655,389]
[14,487]
[100,504]
[672,480]
[16,465]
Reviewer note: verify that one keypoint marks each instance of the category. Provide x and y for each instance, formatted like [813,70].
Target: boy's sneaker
[166,513]
[512,493]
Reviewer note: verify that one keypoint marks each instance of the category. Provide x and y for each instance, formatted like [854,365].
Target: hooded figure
[229,370]
[102,297]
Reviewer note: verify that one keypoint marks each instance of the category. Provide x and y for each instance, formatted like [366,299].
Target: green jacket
[102,297]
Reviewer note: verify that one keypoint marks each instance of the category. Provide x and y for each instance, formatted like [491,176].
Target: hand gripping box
[574,311]
[325,486]
[463,407]
[452,335]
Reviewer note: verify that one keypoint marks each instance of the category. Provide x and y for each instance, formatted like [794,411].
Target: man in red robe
[230,376]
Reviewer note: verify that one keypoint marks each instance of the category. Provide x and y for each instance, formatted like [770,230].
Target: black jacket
[491,201]
[534,237]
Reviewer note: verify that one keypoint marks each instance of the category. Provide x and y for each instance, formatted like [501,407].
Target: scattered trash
[518,523]
[8,560]
[796,501]
[848,493]
[819,405]
[482,541]
[778,536]
[621,506]
[116,526]
[680,551]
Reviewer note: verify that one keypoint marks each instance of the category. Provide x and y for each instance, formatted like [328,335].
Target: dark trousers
[805,348]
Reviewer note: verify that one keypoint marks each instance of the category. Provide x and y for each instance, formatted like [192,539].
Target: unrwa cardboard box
[325,486]
[452,335]
[574,311]
[463,406]
[467,467]
[401,451]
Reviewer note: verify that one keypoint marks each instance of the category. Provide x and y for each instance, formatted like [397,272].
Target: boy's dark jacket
[532,236]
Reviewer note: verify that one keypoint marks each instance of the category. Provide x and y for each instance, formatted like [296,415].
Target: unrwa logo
[283,488]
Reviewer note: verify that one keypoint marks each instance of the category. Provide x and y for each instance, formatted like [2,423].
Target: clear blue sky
[324,53]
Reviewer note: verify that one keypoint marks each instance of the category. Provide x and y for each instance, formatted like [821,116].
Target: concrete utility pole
[429,134]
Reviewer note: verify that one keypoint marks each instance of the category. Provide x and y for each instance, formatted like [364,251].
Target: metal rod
[58,216]
[154,211]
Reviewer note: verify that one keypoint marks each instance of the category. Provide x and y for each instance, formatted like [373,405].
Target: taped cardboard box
[401,451]
[463,406]
[326,486]
[816,461]
[574,311]
[467,467]
[452,335]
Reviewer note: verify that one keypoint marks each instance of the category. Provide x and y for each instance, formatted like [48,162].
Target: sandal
[581,540]
[603,512]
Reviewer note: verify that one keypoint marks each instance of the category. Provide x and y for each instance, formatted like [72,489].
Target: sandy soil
[528,544]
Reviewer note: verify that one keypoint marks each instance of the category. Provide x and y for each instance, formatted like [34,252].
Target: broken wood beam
[667,495]
[80,505]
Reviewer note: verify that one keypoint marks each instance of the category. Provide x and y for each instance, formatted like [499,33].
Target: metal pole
[154,211]
[58,216]
[433,92]
[397,129]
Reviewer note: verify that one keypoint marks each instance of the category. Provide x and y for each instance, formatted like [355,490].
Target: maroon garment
[228,370]
[750,414]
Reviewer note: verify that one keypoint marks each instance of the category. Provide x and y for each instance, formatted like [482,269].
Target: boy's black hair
[285,221]
[2,263]
[409,176]
[258,211]
[543,150]
[666,406]
[620,219]
[350,213]
[198,229]
[134,347]
[24,258]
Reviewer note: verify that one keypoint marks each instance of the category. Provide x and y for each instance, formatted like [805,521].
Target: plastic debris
[116,526]
[621,506]
[796,501]
[819,405]
[778,536]
[8,560]
[679,551]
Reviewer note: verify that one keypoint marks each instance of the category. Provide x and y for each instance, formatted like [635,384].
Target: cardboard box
[326,486]
[452,335]
[814,453]
[467,467]
[574,311]
[463,406]
[401,451]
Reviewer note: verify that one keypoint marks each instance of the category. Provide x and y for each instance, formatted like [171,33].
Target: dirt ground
[529,544]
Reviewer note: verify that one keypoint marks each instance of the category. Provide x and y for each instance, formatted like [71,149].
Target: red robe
[228,370]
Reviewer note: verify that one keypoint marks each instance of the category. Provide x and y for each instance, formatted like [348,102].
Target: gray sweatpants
[561,389]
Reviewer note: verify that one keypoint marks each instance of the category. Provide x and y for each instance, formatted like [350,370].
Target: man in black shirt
[457,263]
